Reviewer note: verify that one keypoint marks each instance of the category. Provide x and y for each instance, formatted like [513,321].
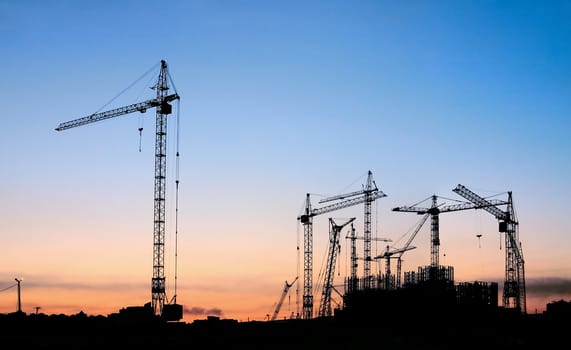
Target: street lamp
[19,300]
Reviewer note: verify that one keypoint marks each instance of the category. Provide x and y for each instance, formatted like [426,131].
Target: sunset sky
[278,99]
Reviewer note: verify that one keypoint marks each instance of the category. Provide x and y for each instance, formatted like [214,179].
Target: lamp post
[19,300]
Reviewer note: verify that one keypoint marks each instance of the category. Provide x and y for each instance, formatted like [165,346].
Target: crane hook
[140,136]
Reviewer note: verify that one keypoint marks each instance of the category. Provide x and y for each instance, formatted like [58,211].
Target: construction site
[362,289]
[361,300]
[431,286]
[422,307]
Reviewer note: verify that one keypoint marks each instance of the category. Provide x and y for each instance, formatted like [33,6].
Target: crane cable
[127,88]
[177,181]
[298,268]
[140,129]
[5,289]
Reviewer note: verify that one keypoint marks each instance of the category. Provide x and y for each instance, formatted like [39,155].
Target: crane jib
[163,107]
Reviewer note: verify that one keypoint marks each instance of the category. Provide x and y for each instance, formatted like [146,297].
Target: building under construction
[424,291]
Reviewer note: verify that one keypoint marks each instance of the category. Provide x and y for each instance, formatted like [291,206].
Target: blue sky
[278,99]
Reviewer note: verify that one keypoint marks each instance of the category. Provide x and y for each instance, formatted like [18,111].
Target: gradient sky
[278,99]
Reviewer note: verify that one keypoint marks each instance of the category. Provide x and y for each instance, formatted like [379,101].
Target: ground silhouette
[448,328]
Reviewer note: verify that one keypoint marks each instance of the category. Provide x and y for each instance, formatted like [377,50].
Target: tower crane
[334,230]
[287,286]
[306,219]
[514,295]
[163,108]
[369,193]
[434,212]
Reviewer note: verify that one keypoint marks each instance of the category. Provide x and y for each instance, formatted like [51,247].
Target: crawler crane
[287,286]
[163,108]
[334,231]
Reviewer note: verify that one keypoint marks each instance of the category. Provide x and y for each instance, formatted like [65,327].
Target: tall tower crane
[369,195]
[163,108]
[434,211]
[287,286]
[306,219]
[334,230]
[514,295]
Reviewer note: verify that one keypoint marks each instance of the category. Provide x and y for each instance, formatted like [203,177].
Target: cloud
[197,311]
[69,285]
[549,287]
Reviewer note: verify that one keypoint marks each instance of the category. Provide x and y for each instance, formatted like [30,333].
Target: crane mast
[306,219]
[370,189]
[352,285]
[514,295]
[163,108]
[158,290]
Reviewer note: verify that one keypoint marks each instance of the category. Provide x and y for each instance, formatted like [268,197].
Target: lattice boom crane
[287,286]
[334,231]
